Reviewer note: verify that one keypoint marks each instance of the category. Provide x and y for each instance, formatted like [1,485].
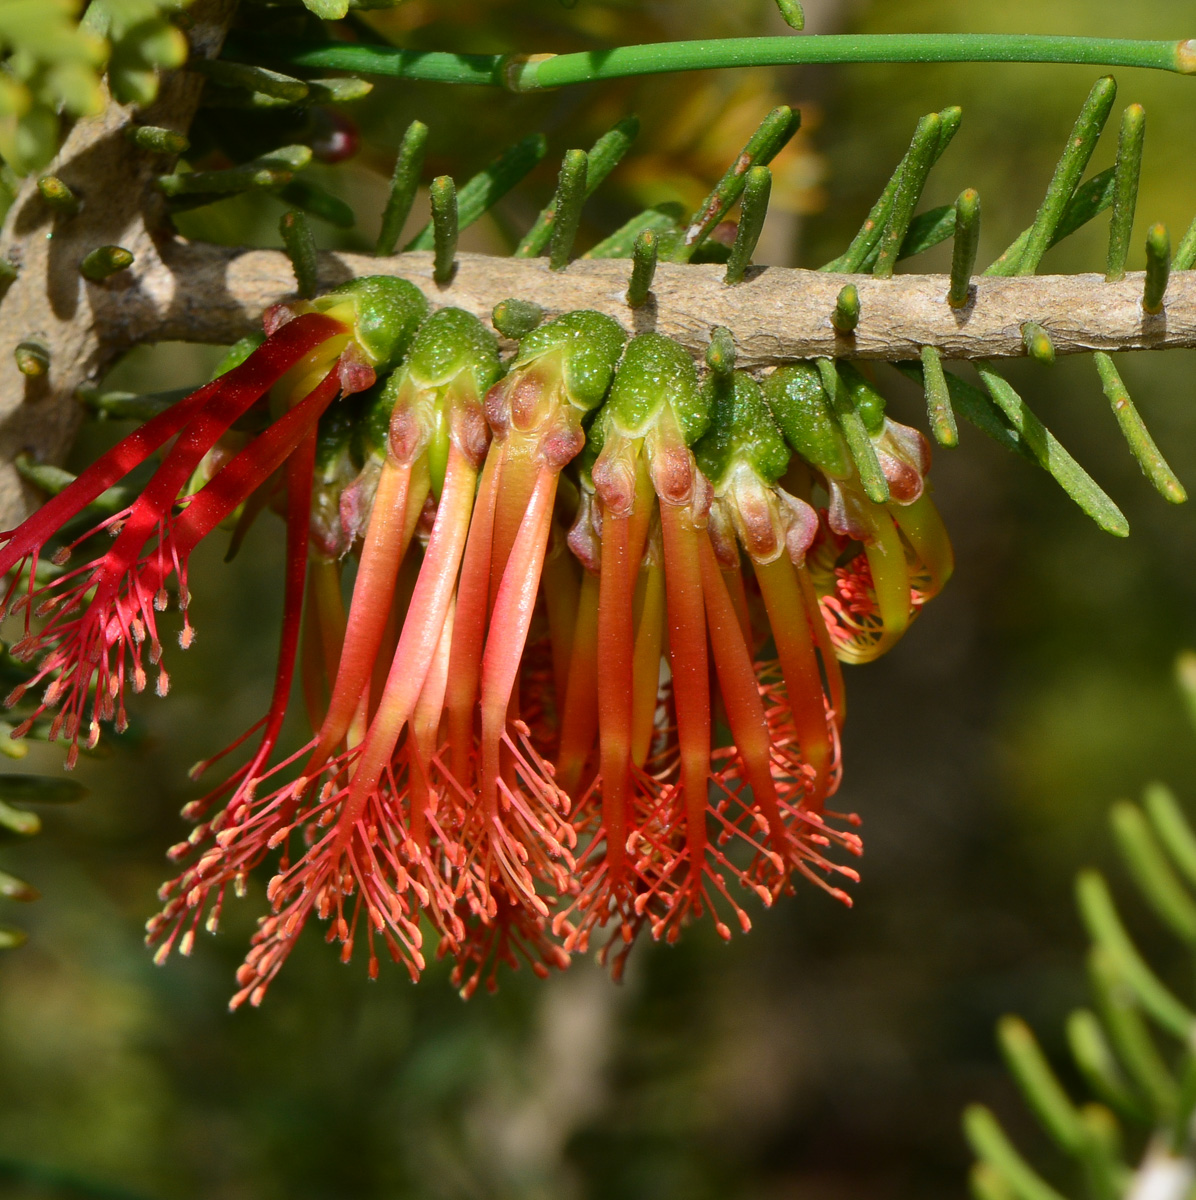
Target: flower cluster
[588,678]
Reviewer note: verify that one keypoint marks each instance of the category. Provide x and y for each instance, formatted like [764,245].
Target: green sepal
[868,402]
[799,406]
[741,430]
[238,352]
[588,345]
[656,371]
[388,312]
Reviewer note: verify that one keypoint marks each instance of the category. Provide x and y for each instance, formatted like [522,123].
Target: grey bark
[50,302]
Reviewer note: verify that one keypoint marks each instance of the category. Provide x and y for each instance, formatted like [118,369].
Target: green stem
[560,70]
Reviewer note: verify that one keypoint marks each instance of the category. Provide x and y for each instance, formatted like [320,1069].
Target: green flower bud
[742,430]
[802,411]
[387,312]
[588,345]
[656,371]
[453,343]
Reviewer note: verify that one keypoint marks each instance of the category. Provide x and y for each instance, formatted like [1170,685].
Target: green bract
[741,430]
[588,344]
[656,371]
[388,312]
[800,408]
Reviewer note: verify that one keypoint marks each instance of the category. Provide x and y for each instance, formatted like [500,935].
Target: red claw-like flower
[588,682]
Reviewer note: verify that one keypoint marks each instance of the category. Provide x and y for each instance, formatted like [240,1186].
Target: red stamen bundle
[587,682]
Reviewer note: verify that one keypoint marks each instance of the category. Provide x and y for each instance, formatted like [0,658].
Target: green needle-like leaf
[1100,1068]
[16,820]
[1042,1090]
[1152,872]
[603,156]
[1066,179]
[864,244]
[1125,189]
[762,147]
[479,194]
[863,453]
[921,156]
[990,1144]
[1171,827]
[1051,455]
[756,191]
[1129,1034]
[938,398]
[1133,429]
[403,185]
[643,269]
[1105,928]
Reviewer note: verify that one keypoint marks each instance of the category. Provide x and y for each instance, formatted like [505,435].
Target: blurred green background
[828,1054]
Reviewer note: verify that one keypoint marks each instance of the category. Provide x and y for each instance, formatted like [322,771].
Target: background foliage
[829,1053]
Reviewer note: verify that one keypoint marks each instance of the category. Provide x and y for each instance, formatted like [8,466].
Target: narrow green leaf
[757,189]
[863,453]
[1105,928]
[16,820]
[1152,872]
[1167,819]
[643,268]
[967,242]
[1051,455]
[1158,269]
[479,194]
[919,159]
[1137,436]
[1066,179]
[1040,1087]
[403,186]
[773,133]
[1127,172]
[1130,1036]
[990,1144]
[1100,1068]
[604,155]
[567,204]
[938,399]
